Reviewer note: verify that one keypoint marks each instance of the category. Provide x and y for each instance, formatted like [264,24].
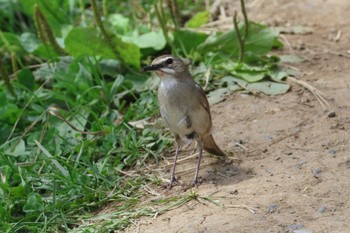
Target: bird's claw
[195,183]
[170,184]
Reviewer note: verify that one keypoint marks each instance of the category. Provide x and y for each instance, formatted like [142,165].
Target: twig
[251,209]
[318,94]
[241,146]
[288,44]
[207,76]
[54,112]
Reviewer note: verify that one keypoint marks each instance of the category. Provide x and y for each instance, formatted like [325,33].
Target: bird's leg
[172,177]
[200,149]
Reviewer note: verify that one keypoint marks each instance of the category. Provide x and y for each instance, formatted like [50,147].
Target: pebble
[293,227]
[234,192]
[267,138]
[303,231]
[331,151]
[331,114]
[322,209]
[317,172]
[272,208]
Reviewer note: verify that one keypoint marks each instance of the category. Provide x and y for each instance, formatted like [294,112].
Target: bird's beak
[152,68]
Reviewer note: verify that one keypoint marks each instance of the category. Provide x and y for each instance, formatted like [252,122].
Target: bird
[184,108]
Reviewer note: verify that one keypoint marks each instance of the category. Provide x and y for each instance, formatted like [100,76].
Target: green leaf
[188,40]
[154,40]
[56,12]
[198,20]
[29,41]
[251,75]
[10,42]
[278,75]
[87,42]
[269,88]
[128,52]
[266,87]
[218,95]
[26,78]
[17,149]
[120,24]
[34,204]
[260,41]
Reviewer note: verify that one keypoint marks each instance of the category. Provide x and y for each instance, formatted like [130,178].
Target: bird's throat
[160,73]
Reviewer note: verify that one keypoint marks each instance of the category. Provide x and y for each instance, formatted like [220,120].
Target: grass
[71,88]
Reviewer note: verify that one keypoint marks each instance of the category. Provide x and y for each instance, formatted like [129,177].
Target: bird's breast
[174,107]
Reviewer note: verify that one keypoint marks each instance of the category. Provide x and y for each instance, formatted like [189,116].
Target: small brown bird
[184,108]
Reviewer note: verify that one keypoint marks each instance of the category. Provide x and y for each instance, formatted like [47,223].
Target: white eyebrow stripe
[161,60]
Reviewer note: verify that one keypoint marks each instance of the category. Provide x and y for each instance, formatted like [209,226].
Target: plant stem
[162,21]
[246,22]
[100,25]
[44,30]
[239,37]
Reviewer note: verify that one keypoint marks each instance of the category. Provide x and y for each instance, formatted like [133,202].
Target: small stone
[293,227]
[317,172]
[303,231]
[272,208]
[331,151]
[267,138]
[331,114]
[234,192]
[322,209]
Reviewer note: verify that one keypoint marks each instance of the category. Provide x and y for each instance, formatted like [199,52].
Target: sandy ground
[295,172]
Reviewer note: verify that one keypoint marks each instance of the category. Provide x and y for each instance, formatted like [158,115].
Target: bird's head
[166,65]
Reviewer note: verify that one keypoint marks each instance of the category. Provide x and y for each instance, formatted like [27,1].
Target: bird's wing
[203,99]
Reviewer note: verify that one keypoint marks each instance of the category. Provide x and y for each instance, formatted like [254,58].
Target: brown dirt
[297,167]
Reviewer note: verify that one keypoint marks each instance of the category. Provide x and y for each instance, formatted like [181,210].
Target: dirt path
[297,172]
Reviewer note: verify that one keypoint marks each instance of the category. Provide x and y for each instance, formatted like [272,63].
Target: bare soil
[295,168]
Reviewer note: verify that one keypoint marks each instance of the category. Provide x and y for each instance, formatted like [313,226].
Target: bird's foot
[172,180]
[196,182]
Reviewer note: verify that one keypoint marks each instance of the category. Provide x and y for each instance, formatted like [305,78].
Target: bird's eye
[169,61]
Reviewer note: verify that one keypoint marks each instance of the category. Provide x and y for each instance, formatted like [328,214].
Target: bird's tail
[211,147]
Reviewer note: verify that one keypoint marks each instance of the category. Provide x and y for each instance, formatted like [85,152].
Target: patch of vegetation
[71,86]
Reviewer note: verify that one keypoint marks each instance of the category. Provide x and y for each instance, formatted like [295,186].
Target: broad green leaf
[188,40]
[198,20]
[259,41]
[10,42]
[154,40]
[218,95]
[56,12]
[17,149]
[46,52]
[29,41]
[266,87]
[128,52]
[119,24]
[34,204]
[269,88]
[26,78]
[251,75]
[9,113]
[87,42]
[278,75]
